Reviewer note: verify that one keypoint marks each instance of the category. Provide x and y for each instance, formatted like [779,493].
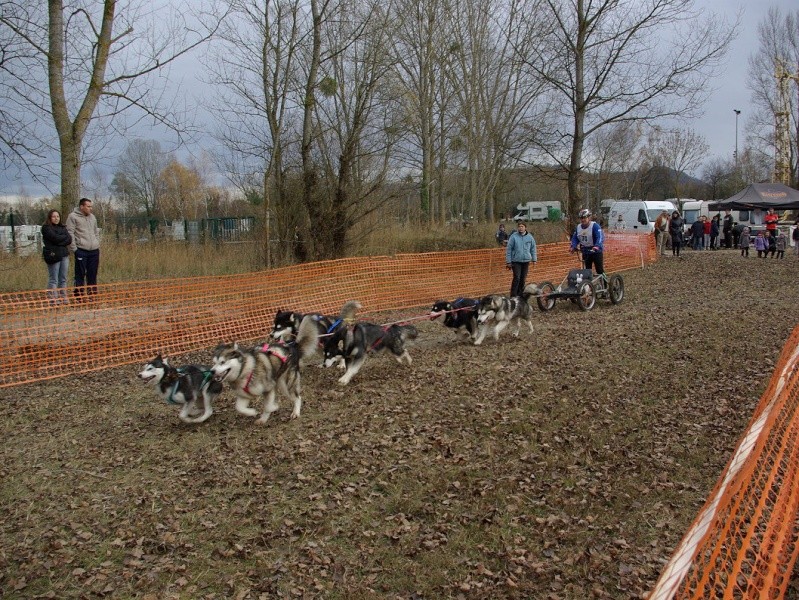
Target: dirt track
[564,465]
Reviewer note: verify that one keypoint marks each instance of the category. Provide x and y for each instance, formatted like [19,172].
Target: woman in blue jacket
[519,253]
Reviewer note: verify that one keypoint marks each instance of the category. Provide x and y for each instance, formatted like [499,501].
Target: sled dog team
[296,338]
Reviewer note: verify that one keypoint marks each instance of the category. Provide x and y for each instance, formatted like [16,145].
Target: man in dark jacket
[697,233]
[726,229]
[676,232]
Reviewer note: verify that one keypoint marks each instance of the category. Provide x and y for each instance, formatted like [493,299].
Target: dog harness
[280,352]
[182,373]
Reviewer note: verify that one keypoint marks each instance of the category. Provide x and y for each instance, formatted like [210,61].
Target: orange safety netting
[743,543]
[129,322]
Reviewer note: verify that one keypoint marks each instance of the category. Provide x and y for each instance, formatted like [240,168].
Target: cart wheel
[616,288]
[587,297]
[545,303]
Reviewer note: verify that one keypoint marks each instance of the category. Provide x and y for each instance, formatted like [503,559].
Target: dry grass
[563,466]
[136,261]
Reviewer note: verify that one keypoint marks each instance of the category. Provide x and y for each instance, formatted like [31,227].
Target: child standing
[761,245]
[782,244]
[743,242]
[771,239]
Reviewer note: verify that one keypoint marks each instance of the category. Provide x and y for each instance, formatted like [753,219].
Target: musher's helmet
[584,213]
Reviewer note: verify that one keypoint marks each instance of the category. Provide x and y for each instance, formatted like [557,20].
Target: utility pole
[735,155]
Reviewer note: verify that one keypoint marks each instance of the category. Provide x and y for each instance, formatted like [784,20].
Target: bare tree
[611,61]
[358,119]
[720,174]
[419,39]
[495,94]
[612,154]
[256,70]
[92,62]
[136,179]
[678,152]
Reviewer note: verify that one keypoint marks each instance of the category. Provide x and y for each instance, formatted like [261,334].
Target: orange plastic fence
[129,322]
[743,543]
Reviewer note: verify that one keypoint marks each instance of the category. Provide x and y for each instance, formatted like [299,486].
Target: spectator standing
[770,220]
[761,245]
[795,237]
[726,228]
[501,235]
[782,243]
[82,227]
[771,239]
[697,233]
[743,242]
[714,232]
[675,229]
[520,252]
[736,233]
[56,241]
[661,231]
[706,233]
[619,224]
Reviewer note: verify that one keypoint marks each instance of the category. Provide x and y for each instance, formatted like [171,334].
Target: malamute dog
[287,324]
[265,369]
[460,315]
[496,312]
[185,386]
[353,341]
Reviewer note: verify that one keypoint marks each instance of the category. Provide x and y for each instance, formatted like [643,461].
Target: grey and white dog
[185,386]
[265,369]
[496,312]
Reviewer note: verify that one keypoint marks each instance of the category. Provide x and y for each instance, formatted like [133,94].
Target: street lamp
[735,156]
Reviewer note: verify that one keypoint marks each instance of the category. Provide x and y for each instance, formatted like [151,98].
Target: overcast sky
[718,125]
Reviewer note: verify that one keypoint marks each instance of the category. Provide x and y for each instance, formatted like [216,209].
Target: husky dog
[460,315]
[331,342]
[352,344]
[496,313]
[266,369]
[184,386]
[287,324]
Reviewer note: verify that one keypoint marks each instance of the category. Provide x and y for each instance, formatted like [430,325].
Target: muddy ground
[567,464]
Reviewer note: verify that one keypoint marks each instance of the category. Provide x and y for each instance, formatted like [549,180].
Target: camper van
[637,216]
[535,211]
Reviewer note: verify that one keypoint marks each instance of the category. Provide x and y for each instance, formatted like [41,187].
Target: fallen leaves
[562,465]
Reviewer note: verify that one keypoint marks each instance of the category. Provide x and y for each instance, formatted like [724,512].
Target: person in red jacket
[770,220]
[706,228]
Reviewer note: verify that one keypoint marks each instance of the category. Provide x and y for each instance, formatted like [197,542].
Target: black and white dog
[496,312]
[185,387]
[460,315]
[352,342]
[266,369]
[287,324]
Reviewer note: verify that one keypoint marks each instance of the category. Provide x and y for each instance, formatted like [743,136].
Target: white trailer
[535,211]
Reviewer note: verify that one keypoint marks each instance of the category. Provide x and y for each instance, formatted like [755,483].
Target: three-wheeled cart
[582,287]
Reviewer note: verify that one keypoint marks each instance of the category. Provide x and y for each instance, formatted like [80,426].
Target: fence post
[13,232]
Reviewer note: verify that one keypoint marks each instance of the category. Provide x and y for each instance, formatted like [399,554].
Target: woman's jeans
[57,280]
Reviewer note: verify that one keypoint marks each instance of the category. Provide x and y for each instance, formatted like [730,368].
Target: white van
[637,216]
